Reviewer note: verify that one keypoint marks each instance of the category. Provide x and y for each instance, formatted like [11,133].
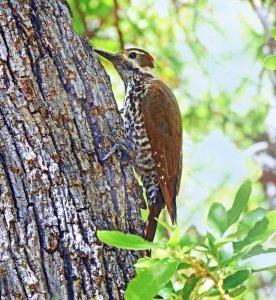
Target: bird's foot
[125,152]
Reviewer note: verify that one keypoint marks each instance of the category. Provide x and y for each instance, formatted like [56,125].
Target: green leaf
[268,268]
[189,286]
[249,220]
[150,281]
[256,234]
[190,238]
[217,217]
[166,226]
[271,217]
[167,291]
[235,279]
[270,62]
[226,253]
[240,202]
[144,214]
[183,266]
[144,263]
[262,262]
[211,241]
[257,250]
[259,233]
[238,291]
[175,238]
[213,292]
[273,32]
[125,240]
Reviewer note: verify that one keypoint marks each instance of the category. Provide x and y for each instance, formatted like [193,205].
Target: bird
[153,125]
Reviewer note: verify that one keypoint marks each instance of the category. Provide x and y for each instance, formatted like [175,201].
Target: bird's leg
[124,149]
[119,146]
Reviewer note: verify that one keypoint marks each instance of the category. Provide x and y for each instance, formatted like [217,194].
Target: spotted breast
[135,130]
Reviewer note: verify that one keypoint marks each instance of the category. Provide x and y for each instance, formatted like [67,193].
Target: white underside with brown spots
[135,131]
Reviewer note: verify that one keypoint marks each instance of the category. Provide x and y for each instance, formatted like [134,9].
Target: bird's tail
[155,210]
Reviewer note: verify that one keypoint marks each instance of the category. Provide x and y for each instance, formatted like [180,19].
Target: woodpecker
[153,126]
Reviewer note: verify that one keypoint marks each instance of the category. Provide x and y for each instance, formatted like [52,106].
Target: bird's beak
[110,56]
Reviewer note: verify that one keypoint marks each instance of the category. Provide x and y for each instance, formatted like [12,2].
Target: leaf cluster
[194,266]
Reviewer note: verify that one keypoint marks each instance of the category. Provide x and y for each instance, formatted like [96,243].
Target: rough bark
[56,107]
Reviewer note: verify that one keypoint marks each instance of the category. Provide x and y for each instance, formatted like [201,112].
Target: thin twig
[88,32]
[261,15]
[116,9]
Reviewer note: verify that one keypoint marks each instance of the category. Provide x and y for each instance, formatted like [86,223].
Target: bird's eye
[132,55]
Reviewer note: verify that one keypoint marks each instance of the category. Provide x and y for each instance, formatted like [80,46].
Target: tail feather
[155,211]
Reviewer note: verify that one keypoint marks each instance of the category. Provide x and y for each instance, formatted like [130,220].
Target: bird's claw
[125,152]
[107,155]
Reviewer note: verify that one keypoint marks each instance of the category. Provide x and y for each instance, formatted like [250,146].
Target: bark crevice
[56,108]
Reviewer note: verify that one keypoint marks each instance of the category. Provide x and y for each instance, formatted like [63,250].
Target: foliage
[193,266]
[186,60]
[270,61]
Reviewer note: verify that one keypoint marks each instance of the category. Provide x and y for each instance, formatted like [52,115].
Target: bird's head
[129,61]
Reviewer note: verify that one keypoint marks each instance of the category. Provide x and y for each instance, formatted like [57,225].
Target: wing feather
[164,128]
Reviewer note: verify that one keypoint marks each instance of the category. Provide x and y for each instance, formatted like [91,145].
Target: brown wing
[164,128]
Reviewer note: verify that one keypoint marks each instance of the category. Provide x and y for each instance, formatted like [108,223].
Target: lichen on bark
[56,108]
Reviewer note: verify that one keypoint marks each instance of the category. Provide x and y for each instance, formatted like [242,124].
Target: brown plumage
[152,122]
[164,128]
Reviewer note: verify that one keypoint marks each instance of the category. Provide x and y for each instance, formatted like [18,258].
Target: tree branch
[262,17]
[116,9]
[90,33]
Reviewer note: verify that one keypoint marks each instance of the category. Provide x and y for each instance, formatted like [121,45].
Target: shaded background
[211,54]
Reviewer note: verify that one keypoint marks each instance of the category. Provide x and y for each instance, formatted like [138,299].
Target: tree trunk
[56,108]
